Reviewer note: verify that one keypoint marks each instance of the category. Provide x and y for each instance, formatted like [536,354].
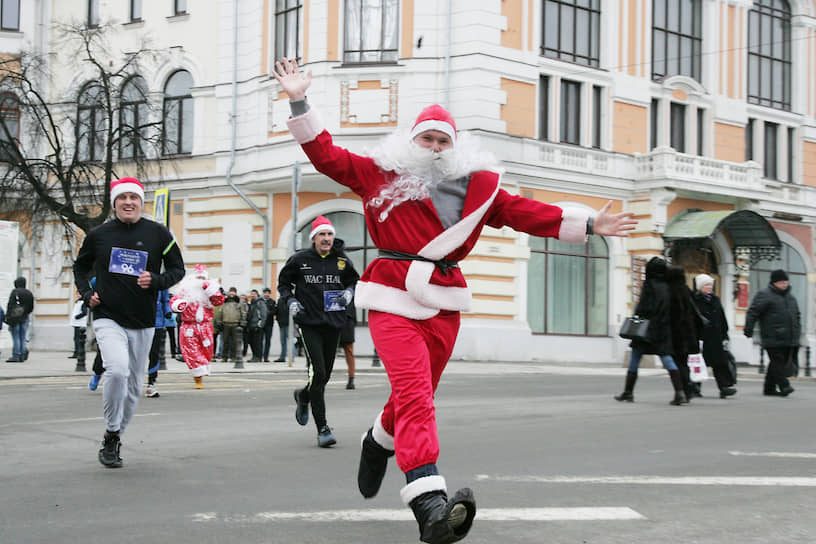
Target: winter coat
[655,305]
[686,323]
[282,313]
[234,312]
[778,316]
[163,309]
[256,318]
[271,308]
[715,331]
[311,278]
[26,298]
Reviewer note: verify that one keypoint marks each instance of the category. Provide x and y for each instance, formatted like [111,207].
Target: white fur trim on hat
[124,185]
[433,124]
[321,228]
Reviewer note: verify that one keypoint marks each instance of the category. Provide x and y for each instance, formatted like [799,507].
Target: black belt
[441,264]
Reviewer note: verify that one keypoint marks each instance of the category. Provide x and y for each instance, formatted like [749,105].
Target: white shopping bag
[697,368]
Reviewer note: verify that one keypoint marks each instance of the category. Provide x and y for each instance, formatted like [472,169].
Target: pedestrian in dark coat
[714,334]
[776,311]
[686,323]
[654,305]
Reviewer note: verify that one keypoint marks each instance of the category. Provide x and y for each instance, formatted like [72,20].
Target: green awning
[743,228]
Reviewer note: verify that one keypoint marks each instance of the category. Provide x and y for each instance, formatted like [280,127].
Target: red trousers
[414,354]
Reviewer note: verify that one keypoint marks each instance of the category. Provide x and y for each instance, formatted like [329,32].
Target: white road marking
[75,420]
[760,481]
[787,454]
[597,513]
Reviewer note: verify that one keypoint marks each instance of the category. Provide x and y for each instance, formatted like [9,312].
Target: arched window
[769,54]
[791,262]
[568,287]
[10,129]
[351,228]
[91,123]
[177,126]
[132,118]
[572,31]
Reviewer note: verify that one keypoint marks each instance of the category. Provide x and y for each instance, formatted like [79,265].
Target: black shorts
[347,332]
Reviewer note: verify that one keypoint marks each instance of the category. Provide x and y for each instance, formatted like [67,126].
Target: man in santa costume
[194,298]
[427,196]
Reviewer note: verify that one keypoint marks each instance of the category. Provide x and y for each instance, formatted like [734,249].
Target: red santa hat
[201,271]
[434,118]
[126,185]
[320,224]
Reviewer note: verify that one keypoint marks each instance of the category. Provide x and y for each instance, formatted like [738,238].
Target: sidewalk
[42,364]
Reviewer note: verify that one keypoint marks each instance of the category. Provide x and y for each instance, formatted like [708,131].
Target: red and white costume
[414,317]
[195,297]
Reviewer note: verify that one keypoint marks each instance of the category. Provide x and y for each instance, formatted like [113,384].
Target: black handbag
[634,328]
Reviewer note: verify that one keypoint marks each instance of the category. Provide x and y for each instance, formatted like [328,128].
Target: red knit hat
[126,185]
[320,224]
[434,118]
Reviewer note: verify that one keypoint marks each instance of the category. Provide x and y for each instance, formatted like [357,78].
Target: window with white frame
[677,135]
[177,125]
[568,287]
[371,31]
[769,54]
[677,37]
[570,105]
[179,7]
[571,31]
[288,15]
[9,127]
[135,10]
[91,123]
[92,15]
[133,118]
[10,14]
[570,112]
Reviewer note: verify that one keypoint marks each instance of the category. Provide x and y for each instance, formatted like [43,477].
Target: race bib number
[127,261]
[333,301]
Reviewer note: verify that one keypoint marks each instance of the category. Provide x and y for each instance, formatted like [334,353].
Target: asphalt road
[550,455]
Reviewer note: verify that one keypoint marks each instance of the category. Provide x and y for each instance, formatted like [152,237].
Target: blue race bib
[127,261]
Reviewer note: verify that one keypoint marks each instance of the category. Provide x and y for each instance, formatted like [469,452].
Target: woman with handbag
[654,305]
[687,324]
[714,334]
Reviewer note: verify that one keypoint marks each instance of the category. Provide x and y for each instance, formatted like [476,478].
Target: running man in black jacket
[126,256]
[317,284]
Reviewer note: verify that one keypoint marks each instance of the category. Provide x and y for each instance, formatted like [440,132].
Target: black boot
[631,378]
[441,520]
[677,383]
[373,462]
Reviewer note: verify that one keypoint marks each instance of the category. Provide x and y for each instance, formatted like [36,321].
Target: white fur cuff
[306,127]
[178,305]
[420,486]
[573,225]
[380,435]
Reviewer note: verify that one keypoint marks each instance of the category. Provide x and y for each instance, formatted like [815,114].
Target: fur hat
[126,185]
[320,224]
[434,118]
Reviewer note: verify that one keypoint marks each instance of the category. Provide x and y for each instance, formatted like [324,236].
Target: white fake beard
[191,290]
[419,169]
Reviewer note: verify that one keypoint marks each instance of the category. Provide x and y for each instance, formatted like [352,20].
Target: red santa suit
[195,299]
[415,304]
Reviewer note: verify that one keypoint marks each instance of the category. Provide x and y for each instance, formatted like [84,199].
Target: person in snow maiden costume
[194,300]
[427,196]
[317,284]
[126,255]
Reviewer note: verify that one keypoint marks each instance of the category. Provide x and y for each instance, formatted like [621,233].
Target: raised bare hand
[613,224]
[287,72]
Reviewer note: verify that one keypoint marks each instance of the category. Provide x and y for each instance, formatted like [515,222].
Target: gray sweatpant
[124,354]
